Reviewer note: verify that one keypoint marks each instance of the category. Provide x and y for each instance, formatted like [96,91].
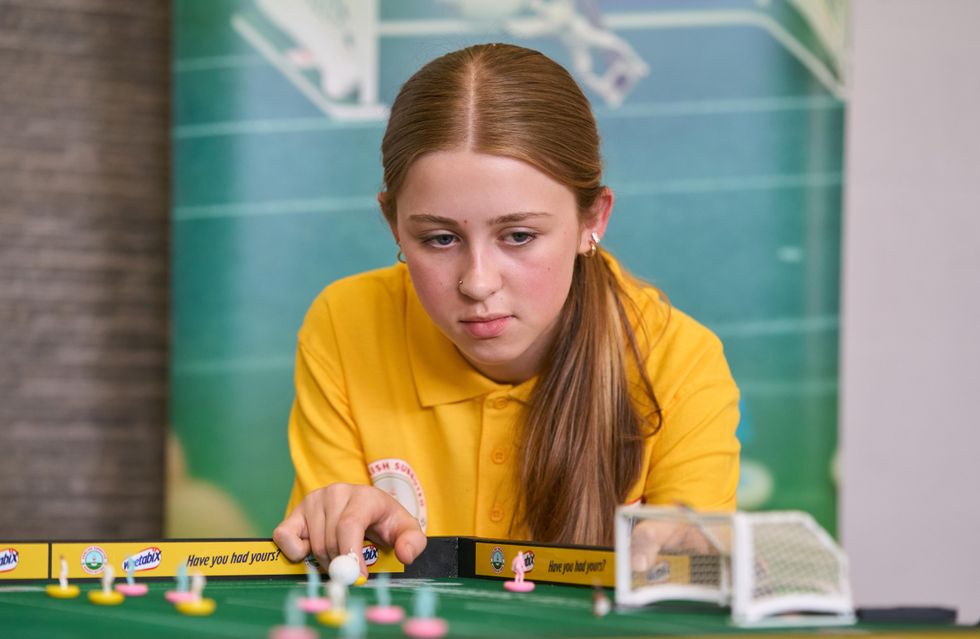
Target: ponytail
[582,441]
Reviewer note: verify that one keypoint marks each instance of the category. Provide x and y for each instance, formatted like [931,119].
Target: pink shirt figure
[517,566]
[517,584]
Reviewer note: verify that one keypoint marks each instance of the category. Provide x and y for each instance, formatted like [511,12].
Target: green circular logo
[93,560]
[497,559]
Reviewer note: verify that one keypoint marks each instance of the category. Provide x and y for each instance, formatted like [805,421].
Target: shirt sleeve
[324,441]
[695,457]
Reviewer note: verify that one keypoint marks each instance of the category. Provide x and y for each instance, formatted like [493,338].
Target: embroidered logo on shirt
[397,478]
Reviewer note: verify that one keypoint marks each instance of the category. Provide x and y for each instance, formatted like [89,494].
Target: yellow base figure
[62,592]
[198,605]
[332,617]
[107,596]
[197,608]
[103,598]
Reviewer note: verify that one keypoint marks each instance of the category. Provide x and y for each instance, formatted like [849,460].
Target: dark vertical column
[84,161]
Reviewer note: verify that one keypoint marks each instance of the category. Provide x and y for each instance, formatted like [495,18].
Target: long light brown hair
[582,438]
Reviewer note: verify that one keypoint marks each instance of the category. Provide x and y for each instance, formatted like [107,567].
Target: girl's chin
[498,365]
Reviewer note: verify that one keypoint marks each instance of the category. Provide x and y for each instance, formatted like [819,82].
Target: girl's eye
[520,237]
[441,240]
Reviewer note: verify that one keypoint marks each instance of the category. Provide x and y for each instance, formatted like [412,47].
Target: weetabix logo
[528,560]
[659,572]
[370,554]
[146,559]
[9,558]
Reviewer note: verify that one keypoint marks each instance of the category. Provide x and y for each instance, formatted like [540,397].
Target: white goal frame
[738,569]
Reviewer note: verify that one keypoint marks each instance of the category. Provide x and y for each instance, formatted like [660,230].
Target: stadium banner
[151,559]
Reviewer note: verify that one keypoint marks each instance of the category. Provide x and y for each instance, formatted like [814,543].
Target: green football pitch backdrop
[725,159]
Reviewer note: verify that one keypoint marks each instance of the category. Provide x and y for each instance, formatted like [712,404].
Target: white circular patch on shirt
[397,478]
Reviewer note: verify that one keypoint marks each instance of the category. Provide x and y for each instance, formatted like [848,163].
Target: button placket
[496,449]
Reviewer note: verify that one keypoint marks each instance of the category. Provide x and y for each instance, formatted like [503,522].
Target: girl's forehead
[462,159]
[453,176]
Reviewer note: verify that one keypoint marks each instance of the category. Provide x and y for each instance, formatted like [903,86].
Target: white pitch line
[773,104]
[210,63]
[212,367]
[763,388]
[638,21]
[623,21]
[810,61]
[733,183]
[679,108]
[270,126]
[369,203]
[778,326]
[276,207]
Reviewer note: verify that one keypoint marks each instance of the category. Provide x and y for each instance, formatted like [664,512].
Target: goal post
[771,568]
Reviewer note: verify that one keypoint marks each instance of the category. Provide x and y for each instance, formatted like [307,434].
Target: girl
[507,379]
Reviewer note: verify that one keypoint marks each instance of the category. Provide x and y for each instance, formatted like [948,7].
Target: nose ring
[459,285]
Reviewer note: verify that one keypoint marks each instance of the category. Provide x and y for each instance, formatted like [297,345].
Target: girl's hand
[652,537]
[336,519]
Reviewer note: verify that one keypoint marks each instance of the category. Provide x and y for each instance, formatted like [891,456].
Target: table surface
[249,608]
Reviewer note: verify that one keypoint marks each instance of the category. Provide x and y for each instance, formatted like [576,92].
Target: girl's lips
[486,328]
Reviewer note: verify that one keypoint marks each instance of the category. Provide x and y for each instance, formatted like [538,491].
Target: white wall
[910,404]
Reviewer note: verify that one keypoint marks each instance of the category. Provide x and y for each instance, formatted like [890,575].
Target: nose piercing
[459,285]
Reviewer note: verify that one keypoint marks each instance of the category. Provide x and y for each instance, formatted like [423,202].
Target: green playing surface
[473,608]
[250,608]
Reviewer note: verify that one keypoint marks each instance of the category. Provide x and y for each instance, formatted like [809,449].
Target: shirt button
[498,456]
[500,402]
[496,514]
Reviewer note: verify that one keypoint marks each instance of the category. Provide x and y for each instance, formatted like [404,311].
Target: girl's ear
[392,222]
[598,220]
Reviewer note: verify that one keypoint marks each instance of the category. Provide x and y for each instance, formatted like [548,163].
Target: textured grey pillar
[83,267]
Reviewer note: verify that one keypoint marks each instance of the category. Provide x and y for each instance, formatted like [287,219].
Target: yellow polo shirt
[383,397]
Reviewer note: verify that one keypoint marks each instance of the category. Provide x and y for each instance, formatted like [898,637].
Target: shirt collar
[442,375]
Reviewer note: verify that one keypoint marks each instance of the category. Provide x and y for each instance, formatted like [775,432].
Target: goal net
[776,568]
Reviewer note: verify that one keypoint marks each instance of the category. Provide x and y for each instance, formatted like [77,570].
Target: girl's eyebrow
[432,219]
[508,218]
